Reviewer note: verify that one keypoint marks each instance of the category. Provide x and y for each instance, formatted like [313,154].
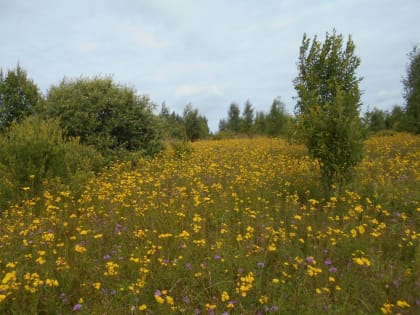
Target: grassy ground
[223,227]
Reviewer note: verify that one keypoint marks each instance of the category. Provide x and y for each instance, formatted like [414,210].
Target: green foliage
[196,126]
[34,151]
[412,92]
[247,118]
[108,116]
[233,123]
[328,106]
[277,118]
[18,96]
[172,124]
[273,124]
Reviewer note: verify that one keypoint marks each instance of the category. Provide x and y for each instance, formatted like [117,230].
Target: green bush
[34,154]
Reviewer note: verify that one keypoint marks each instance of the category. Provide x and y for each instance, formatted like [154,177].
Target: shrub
[33,152]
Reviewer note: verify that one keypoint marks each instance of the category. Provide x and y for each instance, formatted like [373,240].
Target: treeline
[83,124]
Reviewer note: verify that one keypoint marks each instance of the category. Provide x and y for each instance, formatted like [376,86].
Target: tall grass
[232,227]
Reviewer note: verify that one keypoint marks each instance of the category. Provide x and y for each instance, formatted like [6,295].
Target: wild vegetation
[226,227]
[109,208]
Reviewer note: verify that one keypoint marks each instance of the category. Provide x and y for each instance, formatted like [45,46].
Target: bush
[35,152]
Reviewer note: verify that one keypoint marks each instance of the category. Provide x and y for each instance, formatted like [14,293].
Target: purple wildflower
[260,264]
[333,269]
[158,293]
[309,260]
[328,262]
[77,307]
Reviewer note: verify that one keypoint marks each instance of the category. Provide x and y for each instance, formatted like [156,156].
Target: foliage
[328,105]
[237,227]
[18,96]
[277,119]
[247,118]
[172,124]
[412,91]
[233,122]
[35,150]
[102,114]
[196,126]
[273,124]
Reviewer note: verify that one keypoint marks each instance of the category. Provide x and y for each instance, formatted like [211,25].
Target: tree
[196,126]
[277,118]
[377,119]
[105,115]
[247,118]
[328,106]
[261,123]
[412,91]
[234,120]
[173,126]
[18,96]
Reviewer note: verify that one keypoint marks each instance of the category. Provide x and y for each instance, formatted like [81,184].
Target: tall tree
[247,118]
[328,105]
[276,118]
[196,126]
[412,91]
[234,119]
[19,96]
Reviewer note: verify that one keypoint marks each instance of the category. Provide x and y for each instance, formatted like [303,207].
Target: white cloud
[190,90]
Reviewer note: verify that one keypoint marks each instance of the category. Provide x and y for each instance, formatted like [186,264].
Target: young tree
[247,118]
[328,106]
[412,91]
[18,96]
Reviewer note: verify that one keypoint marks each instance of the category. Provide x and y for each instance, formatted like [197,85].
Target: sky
[207,53]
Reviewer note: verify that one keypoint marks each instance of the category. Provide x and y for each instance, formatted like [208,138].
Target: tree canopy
[103,114]
[19,96]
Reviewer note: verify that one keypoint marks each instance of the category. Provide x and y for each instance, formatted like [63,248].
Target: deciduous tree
[328,105]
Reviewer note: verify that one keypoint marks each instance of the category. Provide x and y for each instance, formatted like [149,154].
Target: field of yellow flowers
[224,227]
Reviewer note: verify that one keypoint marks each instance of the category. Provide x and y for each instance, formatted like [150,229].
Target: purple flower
[197,311]
[107,257]
[188,266]
[333,269]
[260,264]
[217,257]
[158,293]
[186,300]
[328,262]
[77,307]
[211,312]
[309,260]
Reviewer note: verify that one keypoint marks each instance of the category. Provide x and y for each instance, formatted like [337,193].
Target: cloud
[189,90]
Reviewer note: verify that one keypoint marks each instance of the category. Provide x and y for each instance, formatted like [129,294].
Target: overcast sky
[209,53]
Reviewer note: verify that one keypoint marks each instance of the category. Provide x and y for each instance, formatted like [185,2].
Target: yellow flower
[80,249]
[159,299]
[402,304]
[96,285]
[143,307]
[225,296]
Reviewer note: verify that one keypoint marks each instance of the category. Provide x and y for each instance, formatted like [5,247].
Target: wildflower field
[222,227]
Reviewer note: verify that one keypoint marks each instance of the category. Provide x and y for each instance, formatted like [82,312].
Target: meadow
[235,226]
